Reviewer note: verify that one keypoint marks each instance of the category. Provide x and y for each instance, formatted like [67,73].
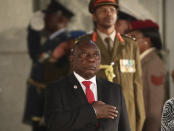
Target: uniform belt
[36,84]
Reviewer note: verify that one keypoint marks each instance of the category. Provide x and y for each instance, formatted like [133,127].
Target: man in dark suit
[82,101]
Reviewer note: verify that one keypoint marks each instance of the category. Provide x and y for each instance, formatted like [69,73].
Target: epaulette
[129,36]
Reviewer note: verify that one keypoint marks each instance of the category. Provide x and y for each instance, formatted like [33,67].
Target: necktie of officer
[108,40]
[89,93]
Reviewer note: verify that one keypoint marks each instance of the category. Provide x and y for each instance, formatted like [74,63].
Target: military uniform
[42,73]
[127,68]
[41,40]
[154,92]
[154,73]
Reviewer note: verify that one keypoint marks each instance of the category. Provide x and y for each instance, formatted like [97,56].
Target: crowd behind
[131,56]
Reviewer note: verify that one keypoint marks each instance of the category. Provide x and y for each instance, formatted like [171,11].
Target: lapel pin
[75,87]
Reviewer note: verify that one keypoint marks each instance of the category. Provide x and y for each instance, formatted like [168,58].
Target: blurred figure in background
[57,65]
[45,33]
[154,72]
[123,22]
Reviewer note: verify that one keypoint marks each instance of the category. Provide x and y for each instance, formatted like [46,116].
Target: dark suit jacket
[67,108]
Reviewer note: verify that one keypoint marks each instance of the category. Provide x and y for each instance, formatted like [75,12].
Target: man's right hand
[104,110]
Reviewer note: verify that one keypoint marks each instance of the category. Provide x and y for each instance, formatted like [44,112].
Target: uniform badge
[75,87]
[157,80]
[109,71]
[127,65]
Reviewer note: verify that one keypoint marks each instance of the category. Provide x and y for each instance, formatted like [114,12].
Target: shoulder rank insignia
[120,37]
[94,36]
[129,36]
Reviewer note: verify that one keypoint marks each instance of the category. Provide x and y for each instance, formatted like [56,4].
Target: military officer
[46,28]
[154,71]
[124,53]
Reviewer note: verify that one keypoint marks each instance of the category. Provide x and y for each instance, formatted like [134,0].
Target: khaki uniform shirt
[153,88]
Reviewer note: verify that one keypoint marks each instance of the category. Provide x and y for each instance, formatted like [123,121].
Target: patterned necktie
[89,93]
[108,40]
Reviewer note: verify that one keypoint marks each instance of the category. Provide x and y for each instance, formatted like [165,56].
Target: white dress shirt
[93,86]
[104,36]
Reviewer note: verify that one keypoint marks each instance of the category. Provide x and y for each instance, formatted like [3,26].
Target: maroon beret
[140,24]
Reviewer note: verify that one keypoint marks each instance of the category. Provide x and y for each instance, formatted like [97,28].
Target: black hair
[154,36]
[124,16]
[55,6]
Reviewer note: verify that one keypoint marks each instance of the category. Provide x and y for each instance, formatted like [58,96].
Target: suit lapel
[103,95]
[99,88]
[102,91]
[77,90]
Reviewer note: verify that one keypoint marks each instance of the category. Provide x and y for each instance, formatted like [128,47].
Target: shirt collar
[81,79]
[145,53]
[103,36]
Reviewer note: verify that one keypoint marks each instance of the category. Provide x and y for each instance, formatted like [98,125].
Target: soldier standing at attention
[124,53]
[154,71]
[46,28]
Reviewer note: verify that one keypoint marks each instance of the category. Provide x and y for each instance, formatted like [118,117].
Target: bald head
[84,41]
[85,58]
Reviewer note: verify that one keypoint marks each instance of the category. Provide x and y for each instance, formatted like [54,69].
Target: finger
[112,114]
[100,102]
[111,107]
[113,111]
[109,116]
